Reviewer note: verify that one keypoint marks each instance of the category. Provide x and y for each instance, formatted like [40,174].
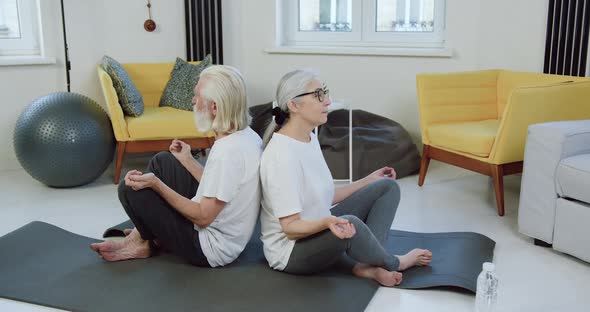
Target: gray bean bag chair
[261,117]
[377,142]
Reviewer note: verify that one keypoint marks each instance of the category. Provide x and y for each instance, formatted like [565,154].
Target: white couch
[555,192]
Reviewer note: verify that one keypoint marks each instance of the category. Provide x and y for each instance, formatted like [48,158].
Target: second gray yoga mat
[49,266]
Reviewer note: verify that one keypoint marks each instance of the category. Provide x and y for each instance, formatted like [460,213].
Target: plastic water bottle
[487,289]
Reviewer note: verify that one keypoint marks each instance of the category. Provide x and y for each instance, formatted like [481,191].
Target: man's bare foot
[156,242]
[132,247]
[415,257]
[380,275]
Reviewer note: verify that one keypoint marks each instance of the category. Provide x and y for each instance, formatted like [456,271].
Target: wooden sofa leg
[498,176]
[119,160]
[424,165]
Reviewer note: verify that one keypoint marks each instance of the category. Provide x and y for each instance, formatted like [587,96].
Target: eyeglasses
[319,93]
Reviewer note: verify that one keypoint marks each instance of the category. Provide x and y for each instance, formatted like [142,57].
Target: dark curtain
[203,30]
[566,47]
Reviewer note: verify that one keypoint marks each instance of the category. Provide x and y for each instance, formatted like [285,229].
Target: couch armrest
[547,144]
[452,97]
[537,104]
[113,107]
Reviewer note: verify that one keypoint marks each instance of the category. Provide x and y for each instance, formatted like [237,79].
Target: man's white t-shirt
[295,179]
[231,175]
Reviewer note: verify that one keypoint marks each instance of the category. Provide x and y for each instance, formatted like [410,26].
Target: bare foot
[380,275]
[415,257]
[132,247]
[129,231]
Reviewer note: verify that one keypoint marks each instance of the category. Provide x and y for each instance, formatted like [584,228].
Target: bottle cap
[488,266]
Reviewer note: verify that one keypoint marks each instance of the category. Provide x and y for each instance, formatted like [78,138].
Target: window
[19,28]
[368,23]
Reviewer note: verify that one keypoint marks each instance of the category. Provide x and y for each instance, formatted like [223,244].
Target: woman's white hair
[225,86]
[292,84]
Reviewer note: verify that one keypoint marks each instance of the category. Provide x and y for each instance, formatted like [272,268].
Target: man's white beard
[203,120]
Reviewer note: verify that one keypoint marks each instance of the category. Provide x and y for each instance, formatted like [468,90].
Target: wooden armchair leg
[119,160]
[424,165]
[498,176]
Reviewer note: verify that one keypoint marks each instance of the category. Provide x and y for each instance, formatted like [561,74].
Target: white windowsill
[26,60]
[382,51]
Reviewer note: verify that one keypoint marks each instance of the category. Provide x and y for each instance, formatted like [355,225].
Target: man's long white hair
[225,86]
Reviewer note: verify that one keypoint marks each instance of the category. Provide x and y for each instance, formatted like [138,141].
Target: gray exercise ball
[64,140]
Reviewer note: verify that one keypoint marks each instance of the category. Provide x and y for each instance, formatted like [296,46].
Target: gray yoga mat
[46,265]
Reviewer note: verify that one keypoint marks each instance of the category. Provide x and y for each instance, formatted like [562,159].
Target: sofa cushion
[573,177]
[130,99]
[179,90]
[571,230]
[473,137]
[163,123]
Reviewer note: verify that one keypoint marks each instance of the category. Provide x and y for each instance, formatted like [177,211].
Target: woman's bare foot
[382,276]
[415,257]
[132,247]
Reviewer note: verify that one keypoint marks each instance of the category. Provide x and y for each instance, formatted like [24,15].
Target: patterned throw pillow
[130,99]
[179,91]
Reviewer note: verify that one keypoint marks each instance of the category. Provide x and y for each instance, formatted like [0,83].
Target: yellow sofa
[478,120]
[157,126]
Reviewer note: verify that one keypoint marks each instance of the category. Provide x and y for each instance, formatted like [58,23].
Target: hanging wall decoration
[149,25]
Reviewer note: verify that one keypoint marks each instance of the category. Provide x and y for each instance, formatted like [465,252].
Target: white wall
[19,85]
[94,28]
[512,34]
[482,33]
[115,28]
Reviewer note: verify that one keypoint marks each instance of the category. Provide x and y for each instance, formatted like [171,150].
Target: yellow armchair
[478,120]
[157,126]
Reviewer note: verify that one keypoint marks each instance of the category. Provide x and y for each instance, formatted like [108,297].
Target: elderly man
[204,214]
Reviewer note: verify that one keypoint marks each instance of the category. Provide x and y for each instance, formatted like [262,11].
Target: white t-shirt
[231,175]
[295,179]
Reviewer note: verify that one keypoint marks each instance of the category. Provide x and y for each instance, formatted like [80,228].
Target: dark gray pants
[155,219]
[371,210]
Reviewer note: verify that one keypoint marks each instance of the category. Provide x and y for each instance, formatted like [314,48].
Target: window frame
[30,42]
[296,37]
[363,33]
[405,39]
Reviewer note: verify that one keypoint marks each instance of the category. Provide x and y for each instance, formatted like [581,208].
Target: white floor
[531,278]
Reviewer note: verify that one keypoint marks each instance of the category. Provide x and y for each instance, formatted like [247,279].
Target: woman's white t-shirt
[295,179]
[231,175]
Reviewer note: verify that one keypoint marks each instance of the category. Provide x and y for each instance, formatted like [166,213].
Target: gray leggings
[371,210]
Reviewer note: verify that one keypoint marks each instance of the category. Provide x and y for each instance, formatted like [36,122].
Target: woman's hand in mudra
[385,172]
[341,227]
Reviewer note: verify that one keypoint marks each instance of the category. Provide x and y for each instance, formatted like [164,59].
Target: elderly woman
[301,233]
[203,214]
